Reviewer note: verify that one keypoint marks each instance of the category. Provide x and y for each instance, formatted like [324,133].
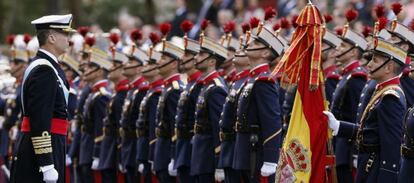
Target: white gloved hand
[219,175]
[95,164]
[171,170]
[141,168]
[268,169]
[68,161]
[73,126]
[1,122]
[355,161]
[13,133]
[50,175]
[152,166]
[333,123]
[6,171]
[121,168]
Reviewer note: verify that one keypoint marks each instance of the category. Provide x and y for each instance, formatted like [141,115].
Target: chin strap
[186,61]
[345,52]
[116,68]
[379,67]
[146,71]
[198,63]
[169,62]
[256,49]
[89,73]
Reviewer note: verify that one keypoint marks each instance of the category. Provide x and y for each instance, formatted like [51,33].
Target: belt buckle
[369,164]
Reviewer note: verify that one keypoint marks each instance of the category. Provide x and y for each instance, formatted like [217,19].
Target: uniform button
[362,95]
[383,162]
[359,105]
[15,158]
[393,165]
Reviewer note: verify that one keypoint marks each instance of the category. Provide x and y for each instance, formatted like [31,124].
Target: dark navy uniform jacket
[228,119]
[258,112]
[206,143]
[130,111]
[407,85]
[12,114]
[78,119]
[332,78]
[185,121]
[407,149]
[44,101]
[91,130]
[108,157]
[146,122]
[166,111]
[344,106]
[379,135]
[366,95]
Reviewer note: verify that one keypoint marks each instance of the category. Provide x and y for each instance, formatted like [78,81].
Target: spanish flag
[304,152]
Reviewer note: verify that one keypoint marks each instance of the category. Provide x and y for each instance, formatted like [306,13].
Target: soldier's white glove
[333,123]
[121,168]
[152,166]
[268,169]
[50,175]
[355,161]
[73,126]
[95,164]
[5,170]
[13,133]
[68,161]
[141,168]
[1,122]
[171,170]
[219,175]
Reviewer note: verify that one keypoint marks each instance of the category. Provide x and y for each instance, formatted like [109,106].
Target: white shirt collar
[99,82]
[49,54]
[211,73]
[169,77]
[260,65]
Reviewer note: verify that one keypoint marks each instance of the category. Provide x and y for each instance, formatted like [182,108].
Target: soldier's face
[187,62]
[254,50]
[17,68]
[69,74]
[412,68]
[374,64]
[164,69]
[60,40]
[150,70]
[241,59]
[90,72]
[341,56]
[202,61]
[129,69]
[115,71]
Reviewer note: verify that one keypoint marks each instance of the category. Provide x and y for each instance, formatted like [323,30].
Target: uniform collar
[350,67]
[392,81]
[194,77]
[329,69]
[170,79]
[49,54]
[137,82]
[209,77]
[259,69]
[241,74]
[99,84]
[122,85]
[156,83]
[231,76]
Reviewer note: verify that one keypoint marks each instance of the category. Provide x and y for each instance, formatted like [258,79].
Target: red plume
[154,37]
[136,35]
[276,26]
[186,26]
[27,38]
[90,40]
[245,27]
[269,13]
[165,28]
[284,23]
[382,23]
[411,25]
[339,31]
[254,22]
[396,8]
[204,24]
[10,39]
[367,31]
[328,18]
[229,27]
[83,30]
[114,38]
[351,15]
[379,10]
[293,20]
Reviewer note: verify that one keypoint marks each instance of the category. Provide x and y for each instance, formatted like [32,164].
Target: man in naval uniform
[40,155]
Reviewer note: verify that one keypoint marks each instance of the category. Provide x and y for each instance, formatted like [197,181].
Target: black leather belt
[202,129]
[242,128]
[184,133]
[108,131]
[227,136]
[368,148]
[160,132]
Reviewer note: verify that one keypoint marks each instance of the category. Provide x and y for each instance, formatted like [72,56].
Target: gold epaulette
[218,82]
[103,91]
[391,92]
